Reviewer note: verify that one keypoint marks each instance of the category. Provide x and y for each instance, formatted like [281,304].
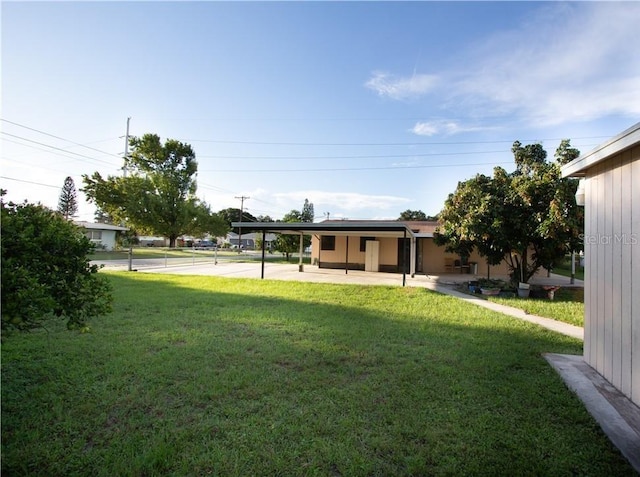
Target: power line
[56,148]
[364,156]
[58,137]
[431,143]
[337,169]
[30,182]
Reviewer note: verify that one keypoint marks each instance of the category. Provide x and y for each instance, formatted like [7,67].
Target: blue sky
[365,108]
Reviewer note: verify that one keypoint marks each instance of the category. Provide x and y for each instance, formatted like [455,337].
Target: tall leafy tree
[307,214]
[68,201]
[232,214]
[527,217]
[158,194]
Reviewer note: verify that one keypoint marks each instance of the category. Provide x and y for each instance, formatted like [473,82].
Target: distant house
[102,235]
[249,240]
[610,191]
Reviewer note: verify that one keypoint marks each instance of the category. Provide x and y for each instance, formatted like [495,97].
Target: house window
[363,243]
[328,242]
[93,234]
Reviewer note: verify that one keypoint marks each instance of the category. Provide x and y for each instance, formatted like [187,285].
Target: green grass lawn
[564,269]
[212,376]
[567,305]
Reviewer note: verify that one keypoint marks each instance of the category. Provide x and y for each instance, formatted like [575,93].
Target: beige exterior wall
[431,256]
[388,252]
[435,257]
[612,270]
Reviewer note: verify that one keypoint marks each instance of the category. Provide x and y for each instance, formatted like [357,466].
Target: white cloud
[432,128]
[574,61]
[340,202]
[443,127]
[396,87]
[570,62]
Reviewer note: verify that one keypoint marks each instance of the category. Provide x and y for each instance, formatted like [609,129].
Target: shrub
[45,270]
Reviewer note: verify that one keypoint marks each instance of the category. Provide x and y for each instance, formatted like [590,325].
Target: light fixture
[580,193]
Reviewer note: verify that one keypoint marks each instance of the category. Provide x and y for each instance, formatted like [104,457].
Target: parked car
[206,245]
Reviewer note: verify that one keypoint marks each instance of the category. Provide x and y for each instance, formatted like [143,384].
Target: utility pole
[124,173]
[242,199]
[126,148]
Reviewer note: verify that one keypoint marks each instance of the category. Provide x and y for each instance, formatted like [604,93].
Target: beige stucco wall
[388,251]
[432,257]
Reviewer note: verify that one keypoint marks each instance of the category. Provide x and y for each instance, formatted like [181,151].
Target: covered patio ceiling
[378,228]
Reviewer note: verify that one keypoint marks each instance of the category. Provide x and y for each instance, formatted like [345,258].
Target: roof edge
[615,145]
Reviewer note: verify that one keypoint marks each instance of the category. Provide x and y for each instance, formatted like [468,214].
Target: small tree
[68,201]
[289,244]
[45,270]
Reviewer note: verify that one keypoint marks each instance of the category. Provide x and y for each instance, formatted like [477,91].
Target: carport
[338,228]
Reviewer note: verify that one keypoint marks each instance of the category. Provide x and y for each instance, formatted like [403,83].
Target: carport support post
[404,254]
[346,258]
[263,241]
[300,265]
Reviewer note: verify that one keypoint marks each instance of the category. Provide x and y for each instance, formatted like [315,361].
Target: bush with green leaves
[46,272]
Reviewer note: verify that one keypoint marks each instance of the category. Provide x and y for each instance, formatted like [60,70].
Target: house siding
[612,270]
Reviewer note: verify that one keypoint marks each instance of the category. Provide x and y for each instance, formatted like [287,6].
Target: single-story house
[610,192]
[249,240]
[379,246]
[102,235]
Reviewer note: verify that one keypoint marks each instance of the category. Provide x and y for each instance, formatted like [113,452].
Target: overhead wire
[393,144]
[339,169]
[56,148]
[29,182]
[60,138]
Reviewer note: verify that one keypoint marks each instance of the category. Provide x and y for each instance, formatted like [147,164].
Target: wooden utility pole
[242,199]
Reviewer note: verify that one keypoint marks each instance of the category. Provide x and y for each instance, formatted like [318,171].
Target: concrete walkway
[554,325]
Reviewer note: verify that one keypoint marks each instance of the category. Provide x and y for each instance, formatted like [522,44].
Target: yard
[212,376]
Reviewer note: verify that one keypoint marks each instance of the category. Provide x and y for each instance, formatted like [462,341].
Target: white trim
[622,141]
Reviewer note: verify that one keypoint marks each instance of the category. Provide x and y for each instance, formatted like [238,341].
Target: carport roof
[337,227]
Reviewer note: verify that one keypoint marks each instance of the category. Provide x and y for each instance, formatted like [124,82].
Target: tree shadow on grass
[197,375]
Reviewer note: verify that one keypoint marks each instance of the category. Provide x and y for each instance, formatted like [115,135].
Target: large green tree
[233,215]
[409,215]
[157,196]
[45,270]
[287,243]
[528,217]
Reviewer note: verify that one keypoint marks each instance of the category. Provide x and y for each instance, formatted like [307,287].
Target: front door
[372,256]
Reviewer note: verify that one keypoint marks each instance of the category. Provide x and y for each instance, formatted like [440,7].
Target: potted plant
[473,286]
[490,287]
[523,290]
